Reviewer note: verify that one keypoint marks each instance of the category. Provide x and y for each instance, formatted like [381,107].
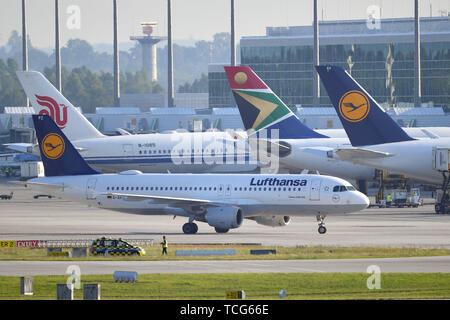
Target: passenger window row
[201,189]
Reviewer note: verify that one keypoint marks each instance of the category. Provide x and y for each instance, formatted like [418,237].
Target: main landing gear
[322,229]
[190,227]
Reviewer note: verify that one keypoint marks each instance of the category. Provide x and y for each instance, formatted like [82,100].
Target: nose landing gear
[322,229]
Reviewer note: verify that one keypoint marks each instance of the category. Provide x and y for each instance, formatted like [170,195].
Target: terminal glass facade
[382,61]
[386,71]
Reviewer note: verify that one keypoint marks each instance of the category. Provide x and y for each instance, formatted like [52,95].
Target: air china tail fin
[365,122]
[260,107]
[58,155]
[46,99]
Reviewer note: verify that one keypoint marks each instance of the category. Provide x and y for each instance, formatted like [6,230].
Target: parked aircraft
[221,200]
[377,140]
[174,152]
[299,147]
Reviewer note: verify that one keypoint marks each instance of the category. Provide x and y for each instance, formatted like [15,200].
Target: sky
[91,20]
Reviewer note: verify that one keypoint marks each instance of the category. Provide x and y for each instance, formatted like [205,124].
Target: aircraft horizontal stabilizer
[21,147]
[319,151]
[355,154]
[40,184]
[430,134]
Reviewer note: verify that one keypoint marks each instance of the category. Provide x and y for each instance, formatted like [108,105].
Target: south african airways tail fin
[261,108]
[365,122]
[59,156]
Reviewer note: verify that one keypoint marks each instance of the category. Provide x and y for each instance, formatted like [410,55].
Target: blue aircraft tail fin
[59,156]
[365,122]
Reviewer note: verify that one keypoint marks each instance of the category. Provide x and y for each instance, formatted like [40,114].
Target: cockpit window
[343,188]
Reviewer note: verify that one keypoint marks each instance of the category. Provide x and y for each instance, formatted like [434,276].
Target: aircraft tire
[322,230]
[190,228]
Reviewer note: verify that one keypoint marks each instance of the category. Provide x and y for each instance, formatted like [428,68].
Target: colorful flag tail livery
[46,99]
[58,155]
[261,108]
[365,122]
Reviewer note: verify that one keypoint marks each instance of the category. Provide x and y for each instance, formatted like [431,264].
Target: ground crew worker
[389,199]
[164,245]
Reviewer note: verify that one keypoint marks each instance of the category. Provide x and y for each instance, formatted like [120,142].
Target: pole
[316,82]
[170,94]
[417,69]
[24,44]
[116,58]
[57,49]
[233,36]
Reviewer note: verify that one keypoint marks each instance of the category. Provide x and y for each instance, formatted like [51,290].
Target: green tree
[199,85]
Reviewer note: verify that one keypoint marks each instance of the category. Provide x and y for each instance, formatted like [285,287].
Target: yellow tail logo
[53,146]
[354,106]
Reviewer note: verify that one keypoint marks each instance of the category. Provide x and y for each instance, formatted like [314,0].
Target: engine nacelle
[273,221]
[224,217]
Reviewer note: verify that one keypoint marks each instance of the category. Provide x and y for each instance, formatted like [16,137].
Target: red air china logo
[54,110]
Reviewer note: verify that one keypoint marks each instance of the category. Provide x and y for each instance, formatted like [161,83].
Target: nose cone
[362,201]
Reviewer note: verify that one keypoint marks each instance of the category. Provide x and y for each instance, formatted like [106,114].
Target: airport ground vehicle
[115,247]
[401,198]
[6,196]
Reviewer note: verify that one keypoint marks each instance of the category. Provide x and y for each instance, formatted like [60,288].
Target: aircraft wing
[185,203]
[355,154]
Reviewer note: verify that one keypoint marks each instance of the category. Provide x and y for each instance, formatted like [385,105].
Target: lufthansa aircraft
[173,152]
[377,140]
[221,200]
[264,113]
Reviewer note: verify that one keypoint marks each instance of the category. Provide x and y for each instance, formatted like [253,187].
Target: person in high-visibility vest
[164,245]
[388,199]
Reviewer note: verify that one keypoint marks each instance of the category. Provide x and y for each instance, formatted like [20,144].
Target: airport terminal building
[380,57]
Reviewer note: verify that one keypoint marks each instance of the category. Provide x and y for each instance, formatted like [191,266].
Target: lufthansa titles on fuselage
[278,182]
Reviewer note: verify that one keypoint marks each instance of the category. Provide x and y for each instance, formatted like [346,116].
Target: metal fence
[86,243]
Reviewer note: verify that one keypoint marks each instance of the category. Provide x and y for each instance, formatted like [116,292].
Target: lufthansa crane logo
[53,146]
[354,106]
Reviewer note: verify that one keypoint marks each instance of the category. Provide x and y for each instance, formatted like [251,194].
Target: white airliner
[377,140]
[221,200]
[299,147]
[174,152]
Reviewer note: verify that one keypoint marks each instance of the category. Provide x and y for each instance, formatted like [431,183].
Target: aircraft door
[90,189]
[315,190]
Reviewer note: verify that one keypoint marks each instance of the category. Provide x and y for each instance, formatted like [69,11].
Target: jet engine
[224,218]
[273,221]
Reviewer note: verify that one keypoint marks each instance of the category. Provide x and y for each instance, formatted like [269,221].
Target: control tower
[148,43]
